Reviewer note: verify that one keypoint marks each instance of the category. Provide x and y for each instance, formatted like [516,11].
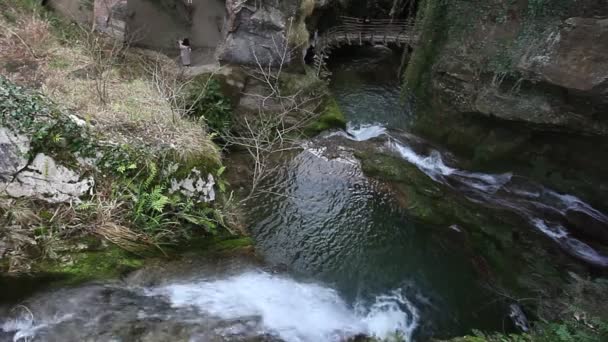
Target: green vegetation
[111,262]
[51,131]
[206,101]
[134,144]
[431,25]
[220,243]
[331,117]
[168,217]
[574,330]
[136,177]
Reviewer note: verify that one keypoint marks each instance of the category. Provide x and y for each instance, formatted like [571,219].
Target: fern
[167,218]
[152,172]
[156,200]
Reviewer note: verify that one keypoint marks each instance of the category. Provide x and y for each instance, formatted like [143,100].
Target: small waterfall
[291,310]
[250,304]
[360,132]
[525,198]
[485,188]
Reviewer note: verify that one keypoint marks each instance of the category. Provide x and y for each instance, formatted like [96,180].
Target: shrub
[209,104]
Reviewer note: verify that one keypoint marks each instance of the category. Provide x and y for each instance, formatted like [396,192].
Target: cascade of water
[252,303]
[528,200]
[294,311]
[483,188]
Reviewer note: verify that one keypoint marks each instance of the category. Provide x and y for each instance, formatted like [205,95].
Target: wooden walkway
[355,31]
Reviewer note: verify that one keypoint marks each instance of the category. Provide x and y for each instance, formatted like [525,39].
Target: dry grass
[30,229]
[23,47]
[135,111]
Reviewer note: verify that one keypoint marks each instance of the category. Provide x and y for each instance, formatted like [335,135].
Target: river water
[342,255]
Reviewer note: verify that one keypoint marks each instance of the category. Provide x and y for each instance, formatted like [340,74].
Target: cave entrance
[160,24]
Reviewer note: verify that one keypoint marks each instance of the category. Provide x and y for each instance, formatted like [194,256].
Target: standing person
[185,51]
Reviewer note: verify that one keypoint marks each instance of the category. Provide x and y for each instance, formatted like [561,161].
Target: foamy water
[291,310]
[252,303]
[360,132]
[523,203]
[26,326]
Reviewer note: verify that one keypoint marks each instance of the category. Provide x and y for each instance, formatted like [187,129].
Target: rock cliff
[539,62]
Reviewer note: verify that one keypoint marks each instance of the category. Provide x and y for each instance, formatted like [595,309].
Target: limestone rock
[255,34]
[564,73]
[44,179]
[13,154]
[195,186]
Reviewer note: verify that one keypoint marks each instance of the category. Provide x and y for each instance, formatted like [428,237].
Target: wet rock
[13,154]
[583,224]
[46,180]
[518,317]
[195,186]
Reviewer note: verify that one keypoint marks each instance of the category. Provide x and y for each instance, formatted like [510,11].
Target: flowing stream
[342,256]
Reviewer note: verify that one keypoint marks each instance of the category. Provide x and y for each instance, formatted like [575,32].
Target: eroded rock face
[550,71]
[46,180]
[43,178]
[575,57]
[265,32]
[255,34]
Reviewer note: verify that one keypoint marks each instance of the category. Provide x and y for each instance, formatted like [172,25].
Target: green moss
[221,243]
[431,23]
[301,83]
[332,117]
[391,168]
[83,266]
[204,163]
[231,244]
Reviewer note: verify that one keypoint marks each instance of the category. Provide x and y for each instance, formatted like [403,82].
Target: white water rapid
[291,310]
[250,304]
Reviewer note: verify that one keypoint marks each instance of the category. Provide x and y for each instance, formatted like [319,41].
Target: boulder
[13,154]
[256,35]
[46,180]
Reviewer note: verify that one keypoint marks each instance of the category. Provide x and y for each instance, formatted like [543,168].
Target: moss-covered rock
[501,247]
[76,267]
[331,117]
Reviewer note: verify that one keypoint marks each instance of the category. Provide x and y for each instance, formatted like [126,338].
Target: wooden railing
[372,31]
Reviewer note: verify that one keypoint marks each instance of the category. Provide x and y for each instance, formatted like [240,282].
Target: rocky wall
[538,62]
